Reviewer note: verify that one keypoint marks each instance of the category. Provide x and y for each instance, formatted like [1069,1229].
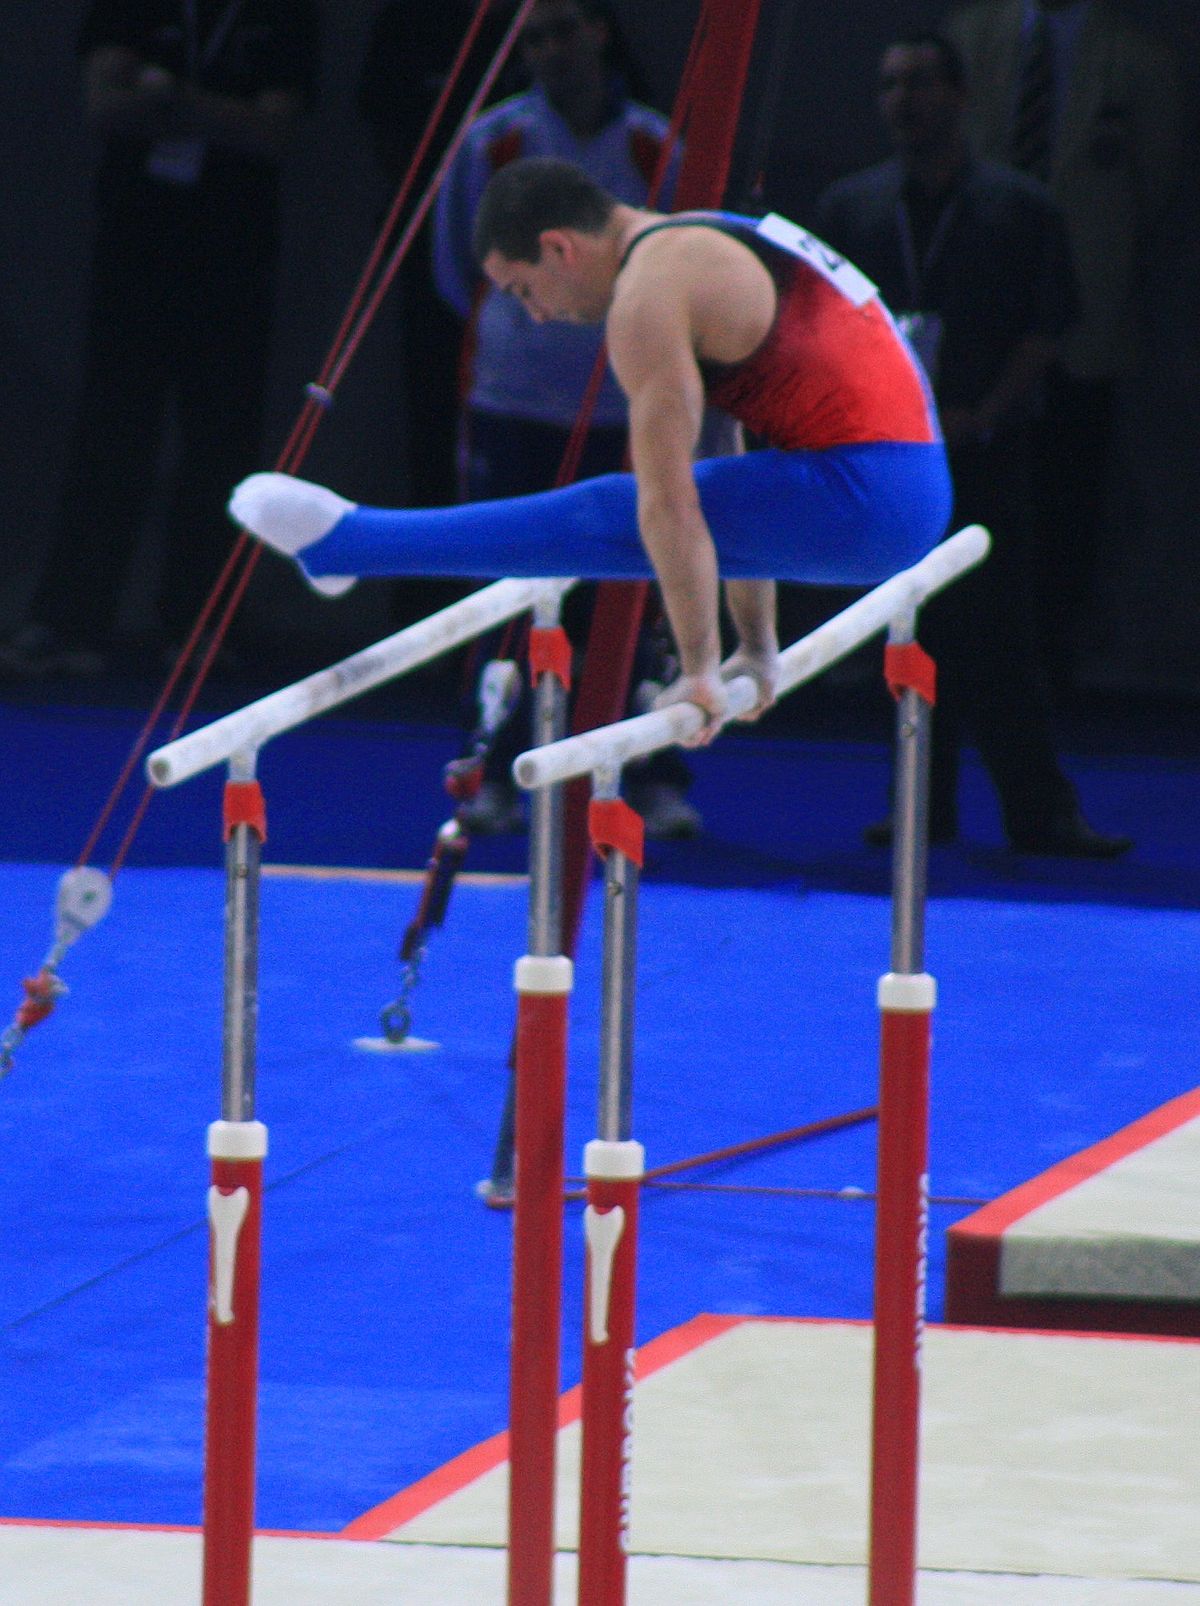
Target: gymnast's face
[562,286]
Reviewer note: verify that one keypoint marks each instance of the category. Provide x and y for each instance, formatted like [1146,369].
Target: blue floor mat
[346,791]
[386,1285]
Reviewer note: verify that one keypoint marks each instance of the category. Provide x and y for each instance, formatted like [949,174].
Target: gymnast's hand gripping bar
[248,728]
[897,598]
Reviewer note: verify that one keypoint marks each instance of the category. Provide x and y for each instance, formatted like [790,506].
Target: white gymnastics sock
[290,515]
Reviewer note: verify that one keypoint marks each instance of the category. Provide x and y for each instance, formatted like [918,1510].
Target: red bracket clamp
[244,804]
[612,824]
[550,653]
[908,667]
[463,778]
[41,994]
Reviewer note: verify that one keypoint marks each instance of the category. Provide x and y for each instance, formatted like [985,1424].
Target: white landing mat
[1128,1230]
[61,1566]
[1059,1470]
[1043,1454]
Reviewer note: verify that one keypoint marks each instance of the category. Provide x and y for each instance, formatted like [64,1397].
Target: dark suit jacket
[1001,271]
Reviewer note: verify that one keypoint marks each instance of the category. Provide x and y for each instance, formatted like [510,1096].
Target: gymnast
[755,321]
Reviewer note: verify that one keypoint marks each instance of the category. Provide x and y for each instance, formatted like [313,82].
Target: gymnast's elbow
[670,514]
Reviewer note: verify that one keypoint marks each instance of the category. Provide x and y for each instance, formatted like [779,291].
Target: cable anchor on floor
[83,899]
[449,850]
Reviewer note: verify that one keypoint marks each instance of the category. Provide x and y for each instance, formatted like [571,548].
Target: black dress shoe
[1072,838]
[879,835]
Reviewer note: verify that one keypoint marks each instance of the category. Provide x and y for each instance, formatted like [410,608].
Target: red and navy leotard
[833,370]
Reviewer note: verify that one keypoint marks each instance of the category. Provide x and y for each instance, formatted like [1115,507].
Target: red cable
[201,675]
[351,330]
[399,201]
[421,210]
[164,697]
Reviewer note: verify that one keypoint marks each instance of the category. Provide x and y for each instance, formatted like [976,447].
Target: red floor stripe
[384,1519]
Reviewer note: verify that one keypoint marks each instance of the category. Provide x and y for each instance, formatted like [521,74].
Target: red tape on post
[908,667]
[244,804]
[612,824]
[550,653]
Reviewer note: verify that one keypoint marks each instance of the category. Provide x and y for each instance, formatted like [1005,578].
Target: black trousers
[1072,456]
[174,319]
[981,631]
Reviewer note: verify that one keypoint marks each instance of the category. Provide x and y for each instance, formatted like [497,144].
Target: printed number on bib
[843,275]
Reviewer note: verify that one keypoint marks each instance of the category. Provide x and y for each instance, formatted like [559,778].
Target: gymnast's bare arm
[684,294]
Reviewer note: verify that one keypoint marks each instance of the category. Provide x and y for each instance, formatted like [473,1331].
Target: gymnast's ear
[559,247]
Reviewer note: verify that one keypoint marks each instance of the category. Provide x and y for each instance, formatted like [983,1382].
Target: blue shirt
[521,369]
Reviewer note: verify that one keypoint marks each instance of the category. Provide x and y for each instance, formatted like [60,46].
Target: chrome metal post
[615,1123]
[546,811]
[243,858]
[910,817]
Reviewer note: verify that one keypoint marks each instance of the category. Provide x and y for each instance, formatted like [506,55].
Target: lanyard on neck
[917,269]
[201,54]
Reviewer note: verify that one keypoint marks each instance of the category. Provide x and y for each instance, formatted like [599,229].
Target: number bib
[832,267]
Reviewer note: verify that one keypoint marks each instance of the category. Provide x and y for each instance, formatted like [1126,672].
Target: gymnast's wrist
[704,665]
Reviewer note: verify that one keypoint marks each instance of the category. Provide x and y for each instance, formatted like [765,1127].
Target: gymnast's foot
[291,515]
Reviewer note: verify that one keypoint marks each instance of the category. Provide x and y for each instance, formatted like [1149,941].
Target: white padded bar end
[914,995]
[237,1140]
[544,974]
[614,1162]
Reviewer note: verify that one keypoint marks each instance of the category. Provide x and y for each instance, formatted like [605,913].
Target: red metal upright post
[614,1173]
[614,1164]
[237,1144]
[906,1000]
[544,979]
[235,1213]
[543,997]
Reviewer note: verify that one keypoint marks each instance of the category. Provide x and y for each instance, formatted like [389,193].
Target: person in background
[524,382]
[972,257]
[410,51]
[1080,96]
[195,103]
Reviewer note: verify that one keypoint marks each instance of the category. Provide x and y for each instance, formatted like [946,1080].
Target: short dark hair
[950,58]
[535,193]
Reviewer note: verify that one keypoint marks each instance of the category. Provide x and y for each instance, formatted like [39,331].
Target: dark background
[1141,633]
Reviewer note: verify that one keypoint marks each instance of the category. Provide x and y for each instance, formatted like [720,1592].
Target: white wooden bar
[408,649]
[614,746]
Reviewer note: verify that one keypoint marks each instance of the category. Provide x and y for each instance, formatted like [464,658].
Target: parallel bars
[614,1161]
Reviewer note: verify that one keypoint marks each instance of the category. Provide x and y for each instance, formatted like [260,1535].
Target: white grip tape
[907,994]
[614,1162]
[544,974]
[237,1140]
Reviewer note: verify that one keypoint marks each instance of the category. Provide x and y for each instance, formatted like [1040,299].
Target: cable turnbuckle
[42,992]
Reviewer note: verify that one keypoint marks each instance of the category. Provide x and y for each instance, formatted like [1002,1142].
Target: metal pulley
[84,897]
